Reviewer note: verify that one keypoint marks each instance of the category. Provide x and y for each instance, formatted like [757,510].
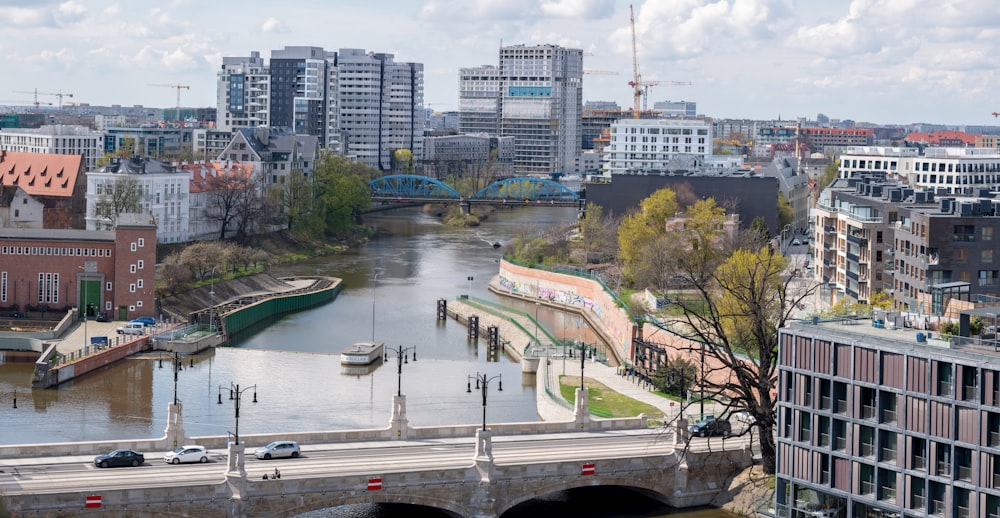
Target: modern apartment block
[244,93]
[650,145]
[874,160]
[874,422]
[482,156]
[957,170]
[362,104]
[541,101]
[688,109]
[58,139]
[479,100]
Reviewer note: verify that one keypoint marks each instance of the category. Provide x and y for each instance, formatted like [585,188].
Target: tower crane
[36,102]
[179,88]
[36,93]
[640,88]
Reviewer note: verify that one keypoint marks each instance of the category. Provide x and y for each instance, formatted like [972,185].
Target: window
[3,286]
[107,305]
[986,255]
[138,303]
[139,264]
[131,288]
[138,283]
[107,286]
[986,233]
[918,454]
[132,246]
[131,268]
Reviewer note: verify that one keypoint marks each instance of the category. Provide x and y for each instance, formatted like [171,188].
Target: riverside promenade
[513,328]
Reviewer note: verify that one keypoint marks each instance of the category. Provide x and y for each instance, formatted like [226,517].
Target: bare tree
[119,197]
[238,199]
[251,208]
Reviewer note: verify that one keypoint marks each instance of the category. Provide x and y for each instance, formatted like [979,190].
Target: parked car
[146,321]
[132,328]
[278,449]
[103,316]
[191,453]
[119,458]
[711,427]
[796,242]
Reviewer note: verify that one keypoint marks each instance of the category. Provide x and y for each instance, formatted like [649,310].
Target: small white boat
[361,353]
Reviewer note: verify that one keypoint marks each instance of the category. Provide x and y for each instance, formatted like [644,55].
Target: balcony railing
[919,502]
[888,493]
[839,443]
[937,507]
[919,462]
[867,487]
[993,439]
[943,468]
[889,416]
[888,455]
[965,473]
[944,388]
[824,402]
[969,392]
[868,411]
[824,439]
[866,449]
[841,406]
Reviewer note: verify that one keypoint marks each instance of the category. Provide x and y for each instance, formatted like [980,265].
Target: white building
[479,100]
[164,192]
[244,93]
[59,139]
[541,105]
[880,160]
[957,170]
[649,145]
[205,210]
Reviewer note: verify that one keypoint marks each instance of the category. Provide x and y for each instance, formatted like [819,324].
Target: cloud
[594,9]
[71,12]
[25,17]
[273,25]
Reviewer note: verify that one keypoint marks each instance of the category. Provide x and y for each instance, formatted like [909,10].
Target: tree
[643,226]
[600,240]
[402,161]
[734,320]
[829,175]
[251,208]
[125,151]
[225,189]
[293,198]
[759,227]
[785,213]
[342,191]
[118,197]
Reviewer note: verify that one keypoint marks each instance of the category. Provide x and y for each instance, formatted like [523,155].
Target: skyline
[879,61]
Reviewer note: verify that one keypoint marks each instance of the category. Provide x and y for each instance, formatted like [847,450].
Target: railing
[841,406]
[839,443]
[993,439]
[868,411]
[889,416]
[867,487]
[888,455]
[888,493]
[937,507]
[969,392]
[944,388]
[824,439]
[965,473]
[919,462]
[824,402]
[867,449]
[918,502]
[943,468]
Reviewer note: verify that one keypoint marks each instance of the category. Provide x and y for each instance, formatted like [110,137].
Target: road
[78,473]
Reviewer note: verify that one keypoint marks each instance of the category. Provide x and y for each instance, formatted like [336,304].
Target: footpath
[517,328]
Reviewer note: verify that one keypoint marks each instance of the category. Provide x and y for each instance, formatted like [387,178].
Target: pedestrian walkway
[516,327]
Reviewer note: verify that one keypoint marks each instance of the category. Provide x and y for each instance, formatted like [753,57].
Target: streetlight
[482,383]
[236,394]
[401,359]
[583,357]
[374,281]
[14,394]
[211,309]
[702,384]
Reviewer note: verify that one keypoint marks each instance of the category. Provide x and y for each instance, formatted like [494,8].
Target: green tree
[829,175]
[121,195]
[125,151]
[402,161]
[599,234]
[643,226]
[759,228]
[292,196]
[785,213]
[342,191]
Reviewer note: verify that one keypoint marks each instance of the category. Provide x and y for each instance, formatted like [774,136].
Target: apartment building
[876,422]
[163,191]
[651,145]
[883,161]
[244,93]
[58,139]
[479,100]
[481,155]
[954,169]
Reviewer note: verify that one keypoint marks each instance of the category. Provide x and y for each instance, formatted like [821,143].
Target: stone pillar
[398,423]
[175,425]
[484,454]
[236,479]
[237,461]
[581,411]
[681,430]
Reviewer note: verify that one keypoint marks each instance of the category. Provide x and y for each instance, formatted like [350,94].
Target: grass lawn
[604,401]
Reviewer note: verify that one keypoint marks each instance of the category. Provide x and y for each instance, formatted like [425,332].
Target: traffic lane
[80,474]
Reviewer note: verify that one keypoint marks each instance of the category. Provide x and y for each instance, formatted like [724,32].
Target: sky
[879,61]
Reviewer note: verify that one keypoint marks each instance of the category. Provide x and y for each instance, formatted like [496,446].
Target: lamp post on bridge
[482,384]
[401,358]
[235,395]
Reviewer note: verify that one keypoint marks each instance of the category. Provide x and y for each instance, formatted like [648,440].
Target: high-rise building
[361,104]
[479,100]
[58,139]
[244,93]
[541,102]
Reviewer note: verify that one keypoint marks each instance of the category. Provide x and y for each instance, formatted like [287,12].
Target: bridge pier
[398,423]
[465,206]
[175,424]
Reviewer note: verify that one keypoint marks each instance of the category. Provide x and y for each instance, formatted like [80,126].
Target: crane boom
[179,88]
[36,93]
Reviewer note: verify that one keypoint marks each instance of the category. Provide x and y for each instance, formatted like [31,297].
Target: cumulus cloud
[273,25]
[579,8]
[25,17]
[71,12]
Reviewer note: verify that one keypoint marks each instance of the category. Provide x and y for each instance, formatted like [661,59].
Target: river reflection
[391,288]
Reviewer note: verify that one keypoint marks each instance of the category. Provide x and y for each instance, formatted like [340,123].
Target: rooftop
[40,174]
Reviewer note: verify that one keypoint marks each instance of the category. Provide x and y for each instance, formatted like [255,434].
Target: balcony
[965,473]
[889,416]
[867,488]
[970,392]
[868,411]
[943,468]
[888,493]
[866,449]
[937,507]
[888,455]
[944,388]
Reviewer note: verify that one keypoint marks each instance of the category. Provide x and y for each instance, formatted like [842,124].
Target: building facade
[162,195]
[541,102]
[112,271]
[61,140]
[244,93]
[650,145]
[875,422]
[479,100]
[42,190]
[468,155]
[956,170]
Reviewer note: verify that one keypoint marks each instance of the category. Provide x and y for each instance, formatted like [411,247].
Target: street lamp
[236,394]
[702,384]
[583,357]
[374,281]
[401,359]
[211,309]
[482,383]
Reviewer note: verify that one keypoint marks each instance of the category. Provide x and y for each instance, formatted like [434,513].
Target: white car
[796,242]
[278,449]
[187,454]
[132,328]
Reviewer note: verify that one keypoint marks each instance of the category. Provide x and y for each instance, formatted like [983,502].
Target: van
[132,328]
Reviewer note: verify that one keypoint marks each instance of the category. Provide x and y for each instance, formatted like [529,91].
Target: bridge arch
[651,491]
[525,189]
[411,186]
[376,499]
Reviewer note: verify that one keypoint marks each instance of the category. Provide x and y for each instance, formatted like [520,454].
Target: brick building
[111,271]
[53,181]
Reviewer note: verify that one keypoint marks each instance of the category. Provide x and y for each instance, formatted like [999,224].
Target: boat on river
[361,353]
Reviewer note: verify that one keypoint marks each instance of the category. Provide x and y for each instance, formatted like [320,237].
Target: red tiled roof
[40,174]
[936,137]
[201,174]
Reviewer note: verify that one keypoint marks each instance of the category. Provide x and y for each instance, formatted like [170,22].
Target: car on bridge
[192,453]
[711,427]
[278,449]
[119,458]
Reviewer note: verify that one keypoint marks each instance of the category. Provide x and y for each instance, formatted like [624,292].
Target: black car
[103,317]
[711,427]
[119,458]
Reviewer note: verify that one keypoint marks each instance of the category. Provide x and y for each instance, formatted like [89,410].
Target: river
[391,288]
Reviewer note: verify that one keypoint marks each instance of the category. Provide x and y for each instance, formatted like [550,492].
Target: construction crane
[600,72]
[996,114]
[647,84]
[36,93]
[179,88]
[21,102]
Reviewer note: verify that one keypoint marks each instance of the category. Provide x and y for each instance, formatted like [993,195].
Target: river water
[391,288]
